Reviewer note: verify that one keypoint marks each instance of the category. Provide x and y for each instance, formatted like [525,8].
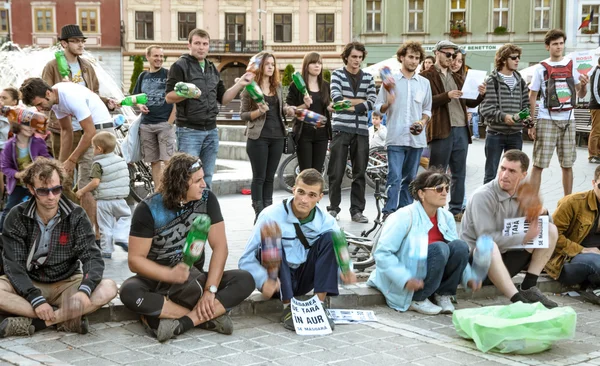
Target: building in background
[587,37]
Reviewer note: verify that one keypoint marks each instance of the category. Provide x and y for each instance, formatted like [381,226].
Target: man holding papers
[486,213]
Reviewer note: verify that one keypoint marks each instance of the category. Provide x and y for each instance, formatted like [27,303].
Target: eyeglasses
[514,58]
[195,167]
[43,192]
[449,54]
[76,41]
[440,188]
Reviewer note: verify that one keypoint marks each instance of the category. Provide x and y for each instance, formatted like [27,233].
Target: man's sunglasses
[440,188]
[195,167]
[514,58]
[43,192]
[449,54]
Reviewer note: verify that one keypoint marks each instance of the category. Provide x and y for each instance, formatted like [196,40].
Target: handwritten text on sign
[309,317]
[519,226]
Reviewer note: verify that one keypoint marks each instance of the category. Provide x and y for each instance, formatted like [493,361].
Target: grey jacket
[254,127]
[499,101]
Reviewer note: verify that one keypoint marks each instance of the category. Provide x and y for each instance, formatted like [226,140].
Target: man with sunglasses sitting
[489,206]
[576,258]
[46,240]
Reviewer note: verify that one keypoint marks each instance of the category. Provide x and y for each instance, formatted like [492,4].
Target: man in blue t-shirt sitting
[157,135]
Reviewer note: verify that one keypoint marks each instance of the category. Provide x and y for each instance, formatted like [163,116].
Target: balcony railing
[224,46]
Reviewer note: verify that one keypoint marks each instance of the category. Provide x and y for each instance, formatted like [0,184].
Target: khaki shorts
[158,141]
[559,134]
[52,292]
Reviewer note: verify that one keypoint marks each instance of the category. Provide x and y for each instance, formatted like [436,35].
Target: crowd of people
[54,251]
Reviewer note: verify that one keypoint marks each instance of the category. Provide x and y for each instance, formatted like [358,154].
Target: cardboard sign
[518,226]
[309,317]
[347,316]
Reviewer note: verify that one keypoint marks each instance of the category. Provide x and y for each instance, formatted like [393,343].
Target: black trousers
[311,148]
[264,154]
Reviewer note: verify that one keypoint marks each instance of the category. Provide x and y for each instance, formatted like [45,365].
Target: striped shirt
[509,80]
[341,88]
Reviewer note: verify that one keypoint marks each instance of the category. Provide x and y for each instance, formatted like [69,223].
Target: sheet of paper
[518,226]
[472,81]
[347,316]
[309,317]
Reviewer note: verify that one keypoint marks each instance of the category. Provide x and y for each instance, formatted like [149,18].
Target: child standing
[110,186]
[377,132]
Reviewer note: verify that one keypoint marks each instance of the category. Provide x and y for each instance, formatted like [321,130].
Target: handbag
[289,144]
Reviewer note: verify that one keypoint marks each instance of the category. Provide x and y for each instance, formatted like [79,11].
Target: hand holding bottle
[179,273]
[416,128]
[187,90]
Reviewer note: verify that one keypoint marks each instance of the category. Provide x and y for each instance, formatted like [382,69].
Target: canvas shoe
[445,302]
[425,307]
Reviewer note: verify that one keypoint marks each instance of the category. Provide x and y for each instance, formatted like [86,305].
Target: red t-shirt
[435,233]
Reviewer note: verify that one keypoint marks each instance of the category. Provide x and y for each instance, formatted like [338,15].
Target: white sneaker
[445,302]
[474,138]
[425,307]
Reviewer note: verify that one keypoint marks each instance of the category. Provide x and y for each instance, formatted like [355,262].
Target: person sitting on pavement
[171,297]
[404,236]
[46,240]
[576,258]
[308,259]
[489,206]
[377,132]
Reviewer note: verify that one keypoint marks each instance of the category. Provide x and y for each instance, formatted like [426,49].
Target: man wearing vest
[560,84]
[196,118]
[594,139]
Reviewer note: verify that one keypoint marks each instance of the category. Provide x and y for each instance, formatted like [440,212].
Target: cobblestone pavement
[397,339]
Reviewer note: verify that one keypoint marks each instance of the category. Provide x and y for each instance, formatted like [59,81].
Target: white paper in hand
[472,81]
[309,317]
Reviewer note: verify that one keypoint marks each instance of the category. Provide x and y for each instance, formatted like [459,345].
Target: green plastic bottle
[340,246]
[63,64]
[523,114]
[299,82]
[196,238]
[187,90]
[135,99]
[341,105]
[255,93]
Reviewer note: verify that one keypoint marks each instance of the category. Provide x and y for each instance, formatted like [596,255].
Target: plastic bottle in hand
[341,105]
[482,257]
[523,117]
[255,93]
[187,90]
[62,64]
[387,79]
[196,239]
[135,99]
[340,247]
[530,202]
[270,242]
[37,121]
[416,128]
[310,117]
[254,64]
[119,120]
[299,82]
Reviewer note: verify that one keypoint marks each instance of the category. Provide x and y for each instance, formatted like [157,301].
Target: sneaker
[445,302]
[591,295]
[359,217]
[535,295]
[458,217]
[151,332]
[16,326]
[334,214]
[125,246]
[286,318]
[474,137]
[425,307]
[594,160]
[77,325]
[106,255]
[222,324]
[166,329]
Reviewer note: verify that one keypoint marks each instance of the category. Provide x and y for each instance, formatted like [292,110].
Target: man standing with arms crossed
[555,127]
[409,104]
[196,118]
[156,129]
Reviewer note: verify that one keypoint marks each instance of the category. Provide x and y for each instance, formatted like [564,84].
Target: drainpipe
[351,15]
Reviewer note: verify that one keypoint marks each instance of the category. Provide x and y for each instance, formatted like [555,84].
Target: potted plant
[500,30]
[458,28]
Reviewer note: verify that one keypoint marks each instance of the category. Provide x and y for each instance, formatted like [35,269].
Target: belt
[103,126]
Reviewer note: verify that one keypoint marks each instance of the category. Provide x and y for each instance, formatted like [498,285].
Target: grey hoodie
[497,104]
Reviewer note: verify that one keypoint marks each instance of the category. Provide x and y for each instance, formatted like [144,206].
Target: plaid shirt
[72,241]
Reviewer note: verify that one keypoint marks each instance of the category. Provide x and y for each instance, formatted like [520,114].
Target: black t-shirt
[354,79]
[154,85]
[309,131]
[592,240]
[272,127]
[169,228]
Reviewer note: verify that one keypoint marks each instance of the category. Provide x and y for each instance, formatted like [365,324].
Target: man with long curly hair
[171,297]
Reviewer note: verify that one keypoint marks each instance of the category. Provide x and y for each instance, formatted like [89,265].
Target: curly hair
[503,53]
[415,47]
[43,168]
[274,81]
[174,181]
[429,178]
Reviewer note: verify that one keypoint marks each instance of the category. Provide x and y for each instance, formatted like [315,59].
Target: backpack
[560,87]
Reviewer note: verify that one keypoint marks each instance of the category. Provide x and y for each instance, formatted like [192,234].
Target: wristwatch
[212,289]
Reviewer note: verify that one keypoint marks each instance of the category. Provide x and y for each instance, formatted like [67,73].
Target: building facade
[238,29]
[479,26]
[587,37]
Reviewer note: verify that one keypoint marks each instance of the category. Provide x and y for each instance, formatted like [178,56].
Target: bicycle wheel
[287,173]
[377,167]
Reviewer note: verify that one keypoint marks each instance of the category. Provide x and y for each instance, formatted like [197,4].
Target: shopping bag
[516,328]
[131,145]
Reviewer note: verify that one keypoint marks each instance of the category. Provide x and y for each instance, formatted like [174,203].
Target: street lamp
[260,13]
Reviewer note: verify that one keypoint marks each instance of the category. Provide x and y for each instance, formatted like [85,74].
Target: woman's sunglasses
[440,188]
[43,192]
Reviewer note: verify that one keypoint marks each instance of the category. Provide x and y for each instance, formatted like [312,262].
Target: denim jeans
[20,194]
[584,267]
[403,163]
[445,265]
[203,144]
[495,145]
[475,123]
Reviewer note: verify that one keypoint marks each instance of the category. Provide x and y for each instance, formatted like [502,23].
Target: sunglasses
[440,188]
[43,192]
[449,54]
[514,58]
[195,167]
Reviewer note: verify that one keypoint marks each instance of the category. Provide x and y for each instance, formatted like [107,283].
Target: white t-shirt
[537,83]
[377,138]
[79,102]
[76,77]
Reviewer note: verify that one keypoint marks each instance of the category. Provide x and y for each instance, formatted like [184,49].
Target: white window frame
[504,8]
[459,10]
[413,13]
[542,8]
[596,16]
[370,28]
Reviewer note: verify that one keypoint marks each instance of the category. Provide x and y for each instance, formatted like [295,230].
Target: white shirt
[377,138]
[79,102]
[537,84]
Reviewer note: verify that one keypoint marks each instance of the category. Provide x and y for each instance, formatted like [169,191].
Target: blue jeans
[20,194]
[403,163]
[203,144]
[495,145]
[475,123]
[445,265]
[584,267]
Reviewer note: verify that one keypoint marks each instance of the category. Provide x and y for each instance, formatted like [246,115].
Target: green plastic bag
[516,328]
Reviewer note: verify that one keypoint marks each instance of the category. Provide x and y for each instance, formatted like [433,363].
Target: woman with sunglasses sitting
[19,152]
[419,255]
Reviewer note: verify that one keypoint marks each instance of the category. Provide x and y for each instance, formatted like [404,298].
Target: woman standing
[9,97]
[266,130]
[312,142]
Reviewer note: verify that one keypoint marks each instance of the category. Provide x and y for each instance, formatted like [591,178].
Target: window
[592,28]
[44,20]
[3,20]
[283,27]
[415,16]
[501,13]
[88,20]
[235,27]
[144,25]
[373,15]
[541,14]
[325,27]
[187,23]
